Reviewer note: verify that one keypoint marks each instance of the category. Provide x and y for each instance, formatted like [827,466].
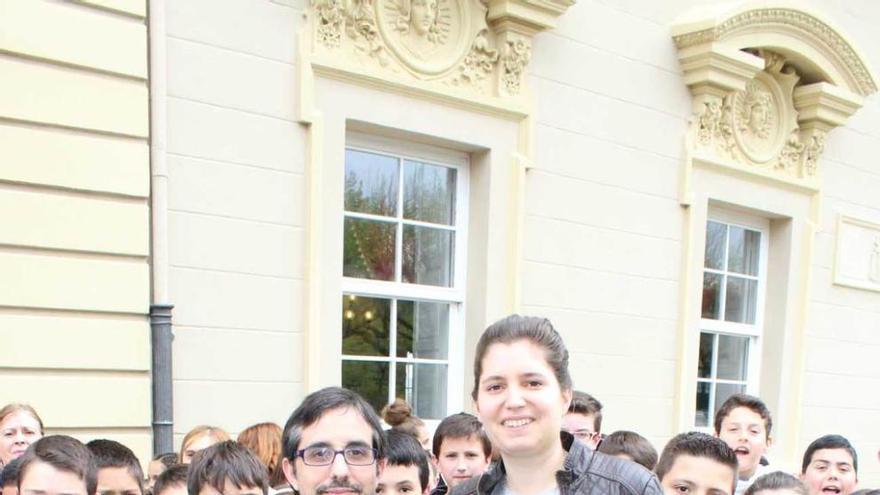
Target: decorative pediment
[469,49]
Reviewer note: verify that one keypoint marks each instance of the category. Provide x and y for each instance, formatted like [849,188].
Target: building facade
[349,192]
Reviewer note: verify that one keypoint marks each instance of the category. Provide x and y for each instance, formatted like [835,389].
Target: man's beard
[340,483]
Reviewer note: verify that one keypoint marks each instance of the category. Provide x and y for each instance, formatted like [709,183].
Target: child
[777,483]
[584,419]
[158,466]
[406,470]
[57,464]
[698,464]
[744,423]
[9,478]
[461,450]
[119,471]
[172,481]
[631,446]
[227,468]
[830,465]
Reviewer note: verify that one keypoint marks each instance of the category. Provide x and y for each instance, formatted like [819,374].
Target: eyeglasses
[324,456]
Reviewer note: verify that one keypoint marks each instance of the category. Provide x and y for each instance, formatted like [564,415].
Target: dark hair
[867,491]
[65,454]
[9,476]
[167,459]
[697,444]
[174,475]
[632,445]
[316,404]
[226,461]
[111,454]
[399,416]
[586,404]
[538,331]
[750,402]
[405,450]
[777,480]
[461,425]
[830,442]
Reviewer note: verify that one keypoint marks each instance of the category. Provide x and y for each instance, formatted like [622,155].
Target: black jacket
[585,473]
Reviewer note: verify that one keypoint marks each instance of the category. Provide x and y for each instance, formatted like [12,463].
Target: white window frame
[454,295]
[755,331]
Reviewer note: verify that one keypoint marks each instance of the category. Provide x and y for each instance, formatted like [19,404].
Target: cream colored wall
[74,219]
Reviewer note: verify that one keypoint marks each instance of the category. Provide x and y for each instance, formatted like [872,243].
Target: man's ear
[290,473]
[769,440]
[380,466]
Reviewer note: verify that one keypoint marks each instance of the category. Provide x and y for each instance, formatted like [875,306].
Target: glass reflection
[744,251]
[716,234]
[369,379]
[368,249]
[424,387]
[422,329]
[371,183]
[427,256]
[741,300]
[365,325]
[712,295]
[428,193]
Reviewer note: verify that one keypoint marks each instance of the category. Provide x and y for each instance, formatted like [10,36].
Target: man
[584,419]
[57,465]
[744,423]
[697,464]
[333,442]
[461,450]
[830,466]
[119,471]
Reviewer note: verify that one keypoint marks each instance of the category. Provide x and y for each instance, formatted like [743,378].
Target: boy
[631,446]
[55,465]
[744,423]
[461,450]
[172,481]
[697,464]
[158,466]
[9,478]
[227,468]
[584,419]
[119,471]
[406,470]
[830,466]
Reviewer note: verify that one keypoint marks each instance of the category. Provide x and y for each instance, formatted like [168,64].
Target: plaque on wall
[857,255]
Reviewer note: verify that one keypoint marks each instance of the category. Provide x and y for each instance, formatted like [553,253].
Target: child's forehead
[835,455]
[398,473]
[470,441]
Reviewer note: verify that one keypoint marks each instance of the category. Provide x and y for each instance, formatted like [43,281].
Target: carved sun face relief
[756,118]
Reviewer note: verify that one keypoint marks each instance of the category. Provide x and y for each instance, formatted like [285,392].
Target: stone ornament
[857,257]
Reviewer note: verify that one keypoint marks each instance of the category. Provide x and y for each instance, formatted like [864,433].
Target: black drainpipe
[163,412]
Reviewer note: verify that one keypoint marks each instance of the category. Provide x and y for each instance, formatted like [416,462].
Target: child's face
[176,489]
[460,459]
[10,489]
[698,476]
[230,489]
[830,472]
[582,426]
[117,481]
[399,480]
[41,478]
[743,431]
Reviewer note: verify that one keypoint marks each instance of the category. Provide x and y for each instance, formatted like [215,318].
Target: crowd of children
[535,435]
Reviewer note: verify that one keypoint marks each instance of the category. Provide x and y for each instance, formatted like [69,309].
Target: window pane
[712,295]
[715,240]
[723,391]
[733,356]
[427,256]
[365,325]
[422,329]
[428,193]
[702,414]
[424,387]
[368,249]
[371,183]
[744,251]
[741,300]
[370,380]
[704,367]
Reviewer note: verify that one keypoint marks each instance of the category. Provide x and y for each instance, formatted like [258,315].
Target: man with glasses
[333,444]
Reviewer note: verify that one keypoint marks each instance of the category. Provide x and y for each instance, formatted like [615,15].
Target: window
[734,280]
[403,253]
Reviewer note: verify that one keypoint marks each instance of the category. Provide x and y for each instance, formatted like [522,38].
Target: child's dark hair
[750,402]
[632,445]
[697,444]
[830,442]
[9,476]
[405,450]
[65,454]
[777,480]
[167,459]
[173,476]
[461,425]
[227,461]
[586,404]
[112,454]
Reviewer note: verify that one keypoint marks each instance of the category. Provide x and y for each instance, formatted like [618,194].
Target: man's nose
[339,466]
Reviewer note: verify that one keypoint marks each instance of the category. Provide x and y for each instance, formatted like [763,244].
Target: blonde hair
[10,409]
[399,416]
[214,432]
[264,440]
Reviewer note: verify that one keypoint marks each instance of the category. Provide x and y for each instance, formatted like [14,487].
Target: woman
[264,440]
[200,438]
[522,389]
[20,426]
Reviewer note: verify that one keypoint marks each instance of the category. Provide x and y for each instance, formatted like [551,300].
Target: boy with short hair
[406,470]
[830,466]
[698,464]
[172,481]
[631,446]
[57,464]
[9,478]
[227,468]
[119,471]
[744,423]
[584,419]
[461,450]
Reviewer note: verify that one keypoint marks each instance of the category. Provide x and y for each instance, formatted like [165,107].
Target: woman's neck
[534,474]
